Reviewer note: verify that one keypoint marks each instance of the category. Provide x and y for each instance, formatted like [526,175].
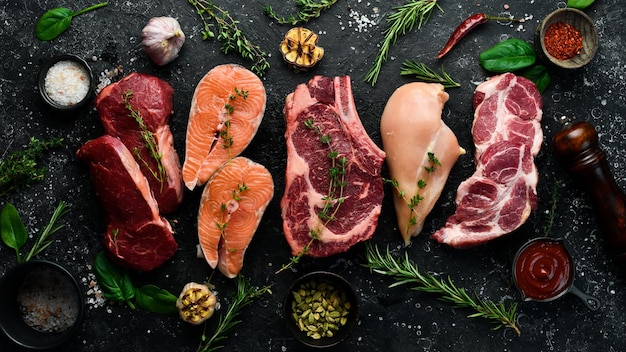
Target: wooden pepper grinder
[577,145]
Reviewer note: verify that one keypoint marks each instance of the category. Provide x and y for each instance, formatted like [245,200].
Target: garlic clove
[161,39]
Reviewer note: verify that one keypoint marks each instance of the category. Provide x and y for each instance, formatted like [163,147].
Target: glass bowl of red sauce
[567,38]
[543,271]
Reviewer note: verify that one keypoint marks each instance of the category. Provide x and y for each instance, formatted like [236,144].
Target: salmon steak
[231,208]
[226,110]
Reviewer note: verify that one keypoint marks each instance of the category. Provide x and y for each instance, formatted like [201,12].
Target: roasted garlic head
[299,49]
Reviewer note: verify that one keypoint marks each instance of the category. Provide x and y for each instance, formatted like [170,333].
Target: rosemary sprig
[399,22]
[307,10]
[245,294]
[426,74]
[42,241]
[404,271]
[148,138]
[229,33]
[333,199]
[19,169]
[547,226]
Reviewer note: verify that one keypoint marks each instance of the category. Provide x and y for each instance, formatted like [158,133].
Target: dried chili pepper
[466,26]
[563,41]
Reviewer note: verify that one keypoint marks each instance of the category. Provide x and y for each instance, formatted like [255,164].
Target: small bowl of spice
[567,38]
[42,305]
[321,309]
[66,82]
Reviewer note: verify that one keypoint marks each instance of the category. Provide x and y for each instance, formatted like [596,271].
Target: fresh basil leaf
[539,75]
[156,300]
[53,23]
[115,283]
[12,228]
[507,56]
[579,4]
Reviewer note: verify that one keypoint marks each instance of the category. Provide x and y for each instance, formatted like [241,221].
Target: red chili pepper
[466,26]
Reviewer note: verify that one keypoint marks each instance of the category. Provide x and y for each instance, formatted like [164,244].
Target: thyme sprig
[227,209]
[246,294]
[414,201]
[399,22]
[404,271]
[426,74]
[307,10]
[229,33]
[333,198]
[148,138]
[19,169]
[230,109]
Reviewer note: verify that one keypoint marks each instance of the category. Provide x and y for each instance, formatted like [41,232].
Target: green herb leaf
[115,283]
[404,271]
[579,4]
[307,9]
[57,20]
[19,169]
[42,242]
[539,75]
[12,229]
[53,23]
[156,300]
[507,56]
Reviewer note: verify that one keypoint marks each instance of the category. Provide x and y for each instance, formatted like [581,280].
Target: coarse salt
[67,83]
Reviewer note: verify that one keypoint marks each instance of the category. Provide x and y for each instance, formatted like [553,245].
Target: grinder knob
[577,145]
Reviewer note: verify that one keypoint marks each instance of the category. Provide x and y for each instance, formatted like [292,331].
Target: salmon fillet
[231,208]
[226,110]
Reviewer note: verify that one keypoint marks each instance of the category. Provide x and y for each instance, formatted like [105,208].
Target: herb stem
[42,242]
[245,295]
[308,9]
[231,36]
[426,74]
[404,271]
[399,23]
[90,8]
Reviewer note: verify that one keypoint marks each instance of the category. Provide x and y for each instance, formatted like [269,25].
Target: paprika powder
[563,41]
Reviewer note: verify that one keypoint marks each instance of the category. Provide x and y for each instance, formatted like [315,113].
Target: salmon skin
[231,208]
[226,110]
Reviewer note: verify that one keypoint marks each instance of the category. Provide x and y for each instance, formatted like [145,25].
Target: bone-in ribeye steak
[136,235]
[324,108]
[500,195]
[150,98]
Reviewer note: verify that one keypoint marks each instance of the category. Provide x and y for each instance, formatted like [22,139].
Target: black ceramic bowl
[70,82]
[26,293]
[327,283]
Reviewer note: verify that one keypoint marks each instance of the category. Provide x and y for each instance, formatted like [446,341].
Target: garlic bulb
[162,39]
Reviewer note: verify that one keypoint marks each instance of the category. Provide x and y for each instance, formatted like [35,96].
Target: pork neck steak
[133,108]
[500,195]
[136,235]
[338,203]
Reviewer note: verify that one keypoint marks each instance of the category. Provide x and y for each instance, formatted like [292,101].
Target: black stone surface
[391,319]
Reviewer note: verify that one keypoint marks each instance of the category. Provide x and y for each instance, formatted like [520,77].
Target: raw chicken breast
[414,137]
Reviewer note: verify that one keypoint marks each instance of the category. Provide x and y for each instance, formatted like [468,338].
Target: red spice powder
[563,41]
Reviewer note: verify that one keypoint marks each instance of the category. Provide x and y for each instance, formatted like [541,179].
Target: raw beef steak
[500,195]
[323,127]
[136,100]
[136,236]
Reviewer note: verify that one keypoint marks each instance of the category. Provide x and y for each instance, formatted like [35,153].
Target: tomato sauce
[543,270]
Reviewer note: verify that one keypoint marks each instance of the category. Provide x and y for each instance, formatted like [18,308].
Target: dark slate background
[391,319]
